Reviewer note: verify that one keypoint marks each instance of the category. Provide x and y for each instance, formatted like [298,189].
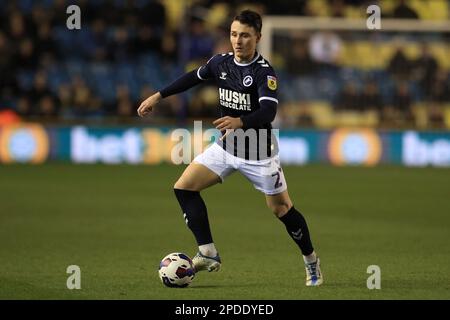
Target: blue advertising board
[34,143]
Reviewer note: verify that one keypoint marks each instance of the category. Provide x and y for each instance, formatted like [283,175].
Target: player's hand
[228,124]
[147,105]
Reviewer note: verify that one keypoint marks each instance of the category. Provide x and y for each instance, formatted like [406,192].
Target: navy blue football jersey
[242,86]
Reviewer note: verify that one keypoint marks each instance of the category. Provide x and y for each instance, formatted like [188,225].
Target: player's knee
[184,185]
[179,185]
[280,209]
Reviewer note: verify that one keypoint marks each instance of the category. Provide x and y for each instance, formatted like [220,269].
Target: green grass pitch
[117,222]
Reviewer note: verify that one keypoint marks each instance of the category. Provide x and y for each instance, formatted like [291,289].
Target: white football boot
[314,276]
[202,262]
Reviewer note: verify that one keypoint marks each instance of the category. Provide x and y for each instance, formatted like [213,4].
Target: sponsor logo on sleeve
[272,83]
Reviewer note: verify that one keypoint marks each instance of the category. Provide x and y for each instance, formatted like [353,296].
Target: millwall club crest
[248,80]
[272,83]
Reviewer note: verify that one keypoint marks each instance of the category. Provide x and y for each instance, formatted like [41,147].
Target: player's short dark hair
[250,18]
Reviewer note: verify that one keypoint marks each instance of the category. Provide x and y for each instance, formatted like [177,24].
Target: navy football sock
[298,229]
[195,214]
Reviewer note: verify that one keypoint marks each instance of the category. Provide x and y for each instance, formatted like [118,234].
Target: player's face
[243,40]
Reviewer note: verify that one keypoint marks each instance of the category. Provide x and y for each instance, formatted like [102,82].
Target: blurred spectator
[153,14]
[110,14]
[402,98]
[41,98]
[92,9]
[98,43]
[82,96]
[95,107]
[285,7]
[40,16]
[18,27]
[300,62]
[130,14]
[399,112]
[439,99]
[204,103]
[349,98]
[23,106]
[169,48]
[399,66]
[120,48]
[7,95]
[201,43]
[26,58]
[59,15]
[47,107]
[65,97]
[371,98]
[8,84]
[436,116]
[325,48]
[425,69]
[403,11]
[44,42]
[337,8]
[125,107]
[5,53]
[357,2]
[147,40]
[440,88]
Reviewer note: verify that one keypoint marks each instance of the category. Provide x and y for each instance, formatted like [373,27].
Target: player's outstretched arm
[183,83]
[147,105]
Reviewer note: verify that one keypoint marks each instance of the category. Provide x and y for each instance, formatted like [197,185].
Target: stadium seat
[421,7]
[354,12]
[306,88]
[420,113]
[320,7]
[355,119]
[388,6]
[174,13]
[431,10]
[328,86]
[102,81]
[441,51]
[56,76]
[322,114]
[124,74]
[217,15]
[439,9]
[367,56]
[25,5]
[447,116]
[76,67]
[347,54]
